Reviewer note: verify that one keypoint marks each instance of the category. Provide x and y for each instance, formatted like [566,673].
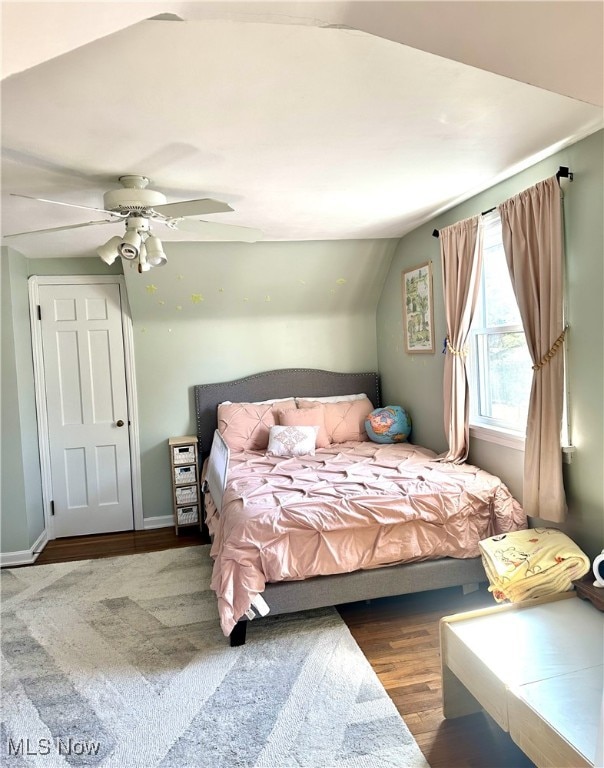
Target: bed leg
[468,588]
[237,636]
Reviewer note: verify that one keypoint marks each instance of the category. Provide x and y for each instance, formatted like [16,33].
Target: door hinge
[39,312]
[52,508]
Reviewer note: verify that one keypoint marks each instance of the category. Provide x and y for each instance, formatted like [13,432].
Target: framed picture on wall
[418,312]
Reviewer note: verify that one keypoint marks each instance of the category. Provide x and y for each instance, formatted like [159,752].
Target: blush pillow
[292,441]
[245,426]
[307,417]
[344,421]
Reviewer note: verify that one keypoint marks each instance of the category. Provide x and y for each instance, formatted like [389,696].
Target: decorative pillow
[391,424]
[292,441]
[344,421]
[307,417]
[335,398]
[245,426]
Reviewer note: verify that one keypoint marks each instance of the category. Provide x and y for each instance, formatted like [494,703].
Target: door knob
[119,423]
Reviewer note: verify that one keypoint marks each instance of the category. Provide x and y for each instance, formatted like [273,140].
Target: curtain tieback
[461,352]
[548,355]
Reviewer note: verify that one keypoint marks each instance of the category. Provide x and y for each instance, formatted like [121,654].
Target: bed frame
[321,591]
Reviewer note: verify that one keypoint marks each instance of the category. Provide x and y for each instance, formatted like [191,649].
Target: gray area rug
[121,662]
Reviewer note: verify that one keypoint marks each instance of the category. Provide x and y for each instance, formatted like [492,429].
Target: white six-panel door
[86,403]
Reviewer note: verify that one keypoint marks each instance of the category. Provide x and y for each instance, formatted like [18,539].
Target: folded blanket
[523,565]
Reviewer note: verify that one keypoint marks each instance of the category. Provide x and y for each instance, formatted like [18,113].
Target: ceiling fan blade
[212,230]
[69,205]
[192,208]
[59,229]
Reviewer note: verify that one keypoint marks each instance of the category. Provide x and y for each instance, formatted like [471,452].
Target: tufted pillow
[245,426]
[307,417]
[292,441]
[344,421]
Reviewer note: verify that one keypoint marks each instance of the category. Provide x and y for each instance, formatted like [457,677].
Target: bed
[247,563]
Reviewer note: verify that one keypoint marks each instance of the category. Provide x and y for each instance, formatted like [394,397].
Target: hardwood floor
[114,544]
[399,636]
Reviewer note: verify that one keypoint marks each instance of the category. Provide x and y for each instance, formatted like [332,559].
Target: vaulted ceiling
[312,120]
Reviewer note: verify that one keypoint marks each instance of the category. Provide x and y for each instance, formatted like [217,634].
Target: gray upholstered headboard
[287,382]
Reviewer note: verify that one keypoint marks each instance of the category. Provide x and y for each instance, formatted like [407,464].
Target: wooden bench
[537,668]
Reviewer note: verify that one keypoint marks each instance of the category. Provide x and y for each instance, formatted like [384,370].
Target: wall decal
[268,298]
[341,280]
[179,307]
[196,298]
[151,288]
[180,277]
[161,302]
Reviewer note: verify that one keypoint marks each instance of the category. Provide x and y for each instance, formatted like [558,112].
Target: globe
[391,424]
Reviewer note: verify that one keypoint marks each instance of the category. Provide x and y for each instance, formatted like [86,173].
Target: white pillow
[261,402]
[292,441]
[334,398]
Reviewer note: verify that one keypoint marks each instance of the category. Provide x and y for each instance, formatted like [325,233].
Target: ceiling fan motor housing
[126,200]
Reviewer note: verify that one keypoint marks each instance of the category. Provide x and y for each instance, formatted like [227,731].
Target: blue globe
[391,424]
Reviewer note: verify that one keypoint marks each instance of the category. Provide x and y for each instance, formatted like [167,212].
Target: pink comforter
[349,507]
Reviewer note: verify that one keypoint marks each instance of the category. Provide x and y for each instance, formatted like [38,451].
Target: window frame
[485,427]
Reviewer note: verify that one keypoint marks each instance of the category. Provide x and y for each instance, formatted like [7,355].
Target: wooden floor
[399,636]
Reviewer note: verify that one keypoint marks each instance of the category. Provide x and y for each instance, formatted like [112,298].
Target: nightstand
[184,468]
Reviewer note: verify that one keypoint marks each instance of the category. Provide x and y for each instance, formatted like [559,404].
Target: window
[500,366]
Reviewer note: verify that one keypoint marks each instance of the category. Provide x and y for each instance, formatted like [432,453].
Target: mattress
[351,506]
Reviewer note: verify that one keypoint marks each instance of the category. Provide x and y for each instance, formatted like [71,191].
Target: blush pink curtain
[533,243]
[461,256]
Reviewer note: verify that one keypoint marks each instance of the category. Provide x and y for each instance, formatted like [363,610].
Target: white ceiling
[309,130]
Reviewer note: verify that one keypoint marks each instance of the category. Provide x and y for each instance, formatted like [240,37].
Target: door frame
[34,283]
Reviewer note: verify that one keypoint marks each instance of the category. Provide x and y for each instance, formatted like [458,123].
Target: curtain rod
[563,172]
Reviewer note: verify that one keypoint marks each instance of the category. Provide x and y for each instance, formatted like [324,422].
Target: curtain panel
[461,258]
[533,242]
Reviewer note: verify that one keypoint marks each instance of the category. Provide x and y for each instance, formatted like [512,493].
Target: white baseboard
[24,556]
[162,521]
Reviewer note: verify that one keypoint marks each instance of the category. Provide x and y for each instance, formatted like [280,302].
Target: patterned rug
[120,662]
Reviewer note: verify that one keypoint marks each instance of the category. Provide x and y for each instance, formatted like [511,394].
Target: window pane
[500,306]
[507,379]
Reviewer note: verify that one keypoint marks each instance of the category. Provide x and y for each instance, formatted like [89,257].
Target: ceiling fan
[140,208]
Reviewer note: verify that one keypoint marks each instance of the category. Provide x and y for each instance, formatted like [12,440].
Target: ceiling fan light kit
[130,246]
[155,252]
[110,251]
[137,207]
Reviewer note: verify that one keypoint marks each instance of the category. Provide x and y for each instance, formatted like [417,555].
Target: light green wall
[14,534]
[415,381]
[22,516]
[223,310]
[77,266]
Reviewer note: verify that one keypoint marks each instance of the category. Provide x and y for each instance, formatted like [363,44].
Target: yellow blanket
[522,565]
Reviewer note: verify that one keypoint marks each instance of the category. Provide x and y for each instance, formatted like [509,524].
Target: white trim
[24,556]
[34,283]
[135,456]
[499,436]
[161,521]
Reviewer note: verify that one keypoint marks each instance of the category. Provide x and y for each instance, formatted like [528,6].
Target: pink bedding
[350,506]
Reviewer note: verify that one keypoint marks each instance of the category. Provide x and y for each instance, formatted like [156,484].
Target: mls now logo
[69,746]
